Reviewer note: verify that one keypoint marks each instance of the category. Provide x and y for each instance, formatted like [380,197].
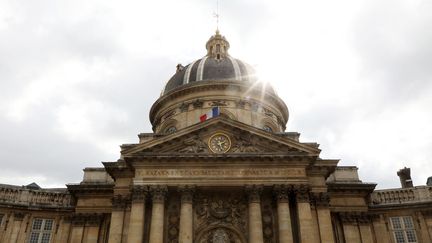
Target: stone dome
[216,65]
[217,80]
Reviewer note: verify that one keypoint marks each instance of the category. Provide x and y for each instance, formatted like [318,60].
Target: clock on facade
[219,143]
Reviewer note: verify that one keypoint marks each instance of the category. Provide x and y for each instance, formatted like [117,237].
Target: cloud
[78,78]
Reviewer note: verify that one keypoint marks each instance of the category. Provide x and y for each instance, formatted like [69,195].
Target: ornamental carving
[120,202]
[245,143]
[184,107]
[321,199]
[254,193]
[186,193]
[220,211]
[197,104]
[268,219]
[302,193]
[218,103]
[241,104]
[220,235]
[281,193]
[173,219]
[158,193]
[139,193]
[194,145]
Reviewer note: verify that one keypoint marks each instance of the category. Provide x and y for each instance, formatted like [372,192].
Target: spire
[217,46]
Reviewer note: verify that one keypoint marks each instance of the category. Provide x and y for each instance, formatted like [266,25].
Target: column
[158,194]
[18,218]
[136,222]
[307,229]
[117,217]
[322,202]
[64,228]
[77,232]
[284,216]
[255,219]
[365,230]
[380,229]
[92,228]
[186,215]
[350,228]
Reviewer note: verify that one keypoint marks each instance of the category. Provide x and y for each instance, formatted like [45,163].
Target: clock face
[219,143]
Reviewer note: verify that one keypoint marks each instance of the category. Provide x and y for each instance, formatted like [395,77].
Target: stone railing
[402,195]
[15,195]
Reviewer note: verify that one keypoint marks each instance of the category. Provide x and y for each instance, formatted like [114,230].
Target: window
[267,128]
[171,129]
[1,218]
[41,231]
[403,229]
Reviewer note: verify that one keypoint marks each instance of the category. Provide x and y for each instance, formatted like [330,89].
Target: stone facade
[262,186]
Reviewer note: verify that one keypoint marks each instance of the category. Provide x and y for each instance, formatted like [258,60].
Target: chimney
[405,177]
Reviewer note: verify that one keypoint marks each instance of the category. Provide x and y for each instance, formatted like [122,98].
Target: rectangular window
[1,218]
[403,229]
[41,230]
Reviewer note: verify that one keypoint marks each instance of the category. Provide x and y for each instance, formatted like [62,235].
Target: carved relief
[184,107]
[302,193]
[194,145]
[268,219]
[158,193]
[120,202]
[218,213]
[197,104]
[218,103]
[220,235]
[139,193]
[173,220]
[241,104]
[245,143]
[321,199]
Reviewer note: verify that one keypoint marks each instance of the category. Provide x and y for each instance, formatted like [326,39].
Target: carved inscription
[210,173]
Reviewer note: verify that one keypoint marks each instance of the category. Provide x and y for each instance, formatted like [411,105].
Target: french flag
[213,113]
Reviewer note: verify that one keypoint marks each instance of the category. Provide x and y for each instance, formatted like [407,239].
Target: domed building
[218,167]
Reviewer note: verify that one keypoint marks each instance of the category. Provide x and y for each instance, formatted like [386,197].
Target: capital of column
[19,216]
[321,199]
[281,193]
[158,193]
[139,193]
[302,193]
[254,193]
[119,202]
[186,193]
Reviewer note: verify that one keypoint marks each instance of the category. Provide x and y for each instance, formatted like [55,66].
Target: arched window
[170,129]
[267,128]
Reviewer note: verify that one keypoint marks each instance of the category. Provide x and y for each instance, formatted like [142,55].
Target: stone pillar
[119,203]
[92,225]
[158,194]
[365,228]
[380,229]
[255,218]
[284,216]
[16,226]
[136,222]
[307,229]
[64,229]
[322,201]
[424,231]
[77,232]
[186,215]
[350,228]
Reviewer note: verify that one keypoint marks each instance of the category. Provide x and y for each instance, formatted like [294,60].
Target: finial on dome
[217,46]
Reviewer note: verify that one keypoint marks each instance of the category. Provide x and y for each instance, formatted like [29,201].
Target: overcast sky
[77,78]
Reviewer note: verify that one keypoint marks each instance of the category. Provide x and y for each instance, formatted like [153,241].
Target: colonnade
[314,220]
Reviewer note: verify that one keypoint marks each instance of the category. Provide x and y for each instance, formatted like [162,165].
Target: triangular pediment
[243,139]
